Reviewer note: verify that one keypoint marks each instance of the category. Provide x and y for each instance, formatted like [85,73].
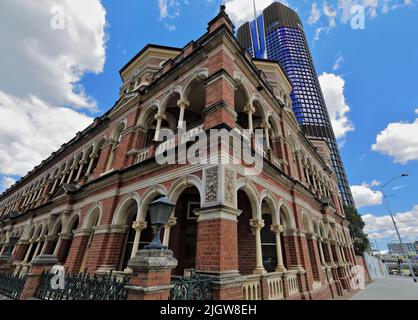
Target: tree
[360,240]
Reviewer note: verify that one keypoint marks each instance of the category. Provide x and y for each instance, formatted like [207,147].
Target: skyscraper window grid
[286,43]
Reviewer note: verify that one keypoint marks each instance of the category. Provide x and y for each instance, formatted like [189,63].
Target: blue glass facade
[285,42]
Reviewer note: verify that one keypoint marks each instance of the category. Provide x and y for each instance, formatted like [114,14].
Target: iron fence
[82,287]
[11,285]
[195,287]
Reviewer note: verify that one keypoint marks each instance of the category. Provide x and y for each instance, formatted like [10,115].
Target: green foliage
[360,240]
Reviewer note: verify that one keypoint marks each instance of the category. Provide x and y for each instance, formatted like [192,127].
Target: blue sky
[369,77]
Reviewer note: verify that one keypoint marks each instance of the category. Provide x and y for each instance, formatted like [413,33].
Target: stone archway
[183,229]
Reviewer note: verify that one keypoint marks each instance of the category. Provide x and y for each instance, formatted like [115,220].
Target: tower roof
[283,15]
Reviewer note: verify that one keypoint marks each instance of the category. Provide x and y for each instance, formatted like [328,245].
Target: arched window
[117,138]
[268,244]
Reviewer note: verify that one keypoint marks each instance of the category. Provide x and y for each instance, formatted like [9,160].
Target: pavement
[390,288]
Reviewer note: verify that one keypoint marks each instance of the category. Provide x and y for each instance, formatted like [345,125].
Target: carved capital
[266,125]
[160,116]
[277,228]
[257,224]
[249,109]
[139,225]
[183,103]
[171,223]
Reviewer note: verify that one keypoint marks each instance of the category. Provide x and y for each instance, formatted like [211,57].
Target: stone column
[331,256]
[138,226]
[159,117]
[266,126]
[321,252]
[45,245]
[337,252]
[28,252]
[38,247]
[39,265]
[54,186]
[57,246]
[182,104]
[167,229]
[250,110]
[151,275]
[90,167]
[72,170]
[80,169]
[277,230]
[257,225]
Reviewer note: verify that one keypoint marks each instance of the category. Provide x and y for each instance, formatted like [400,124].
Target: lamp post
[160,213]
[411,270]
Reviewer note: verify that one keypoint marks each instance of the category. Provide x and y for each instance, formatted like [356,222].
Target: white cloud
[381,227]
[41,129]
[40,93]
[315,14]
[375,183]
[416,111]
[242,11]
[333,89]
[170,8]
[46,62]
[331,13]
[400,141]
[338,63]
[6,183]
[163,8]
[364,196]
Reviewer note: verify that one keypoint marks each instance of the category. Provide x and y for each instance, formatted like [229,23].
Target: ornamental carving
[139,225]
[257,224]
[171,223]
[229,186]
[276,228]
[211,187]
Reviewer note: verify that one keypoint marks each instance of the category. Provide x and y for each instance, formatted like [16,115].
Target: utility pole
[411,270]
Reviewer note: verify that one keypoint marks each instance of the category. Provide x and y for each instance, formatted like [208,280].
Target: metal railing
[11,285]
[195,287]
[82,287]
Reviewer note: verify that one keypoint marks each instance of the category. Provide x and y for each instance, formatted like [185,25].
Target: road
[391,288]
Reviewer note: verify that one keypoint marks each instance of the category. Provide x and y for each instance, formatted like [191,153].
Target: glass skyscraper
[281,37]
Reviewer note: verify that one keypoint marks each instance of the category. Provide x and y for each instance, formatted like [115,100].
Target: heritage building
[279,234]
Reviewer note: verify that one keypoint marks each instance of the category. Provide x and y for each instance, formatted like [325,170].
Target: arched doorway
[130,213]
[183,235]
[72,225]
[91,223]
[246,239]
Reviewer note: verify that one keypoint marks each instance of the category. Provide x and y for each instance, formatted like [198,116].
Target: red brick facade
[217,226]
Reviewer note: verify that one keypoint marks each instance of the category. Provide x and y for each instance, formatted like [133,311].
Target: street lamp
[411,270]
[160,212]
